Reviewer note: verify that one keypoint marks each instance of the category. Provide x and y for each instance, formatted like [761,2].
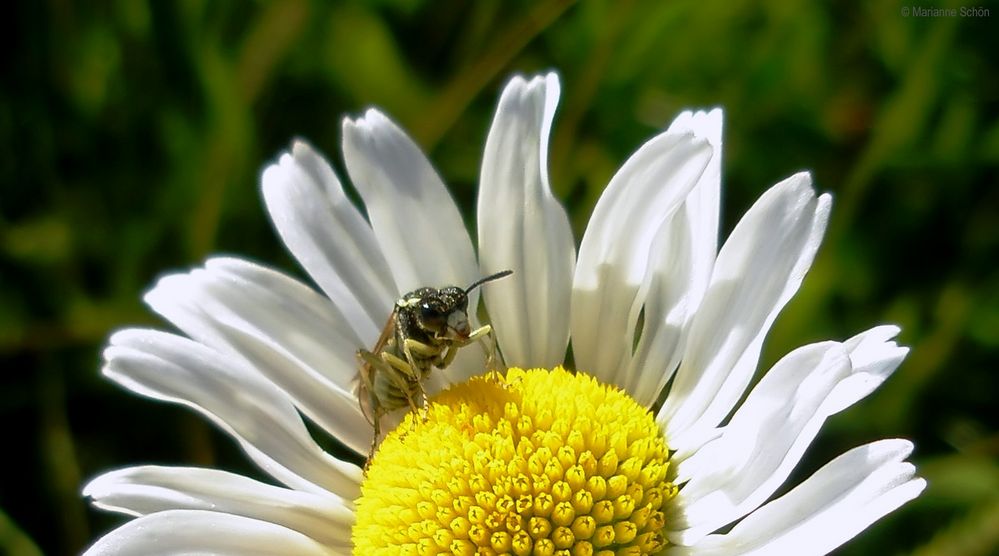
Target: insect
[425,330]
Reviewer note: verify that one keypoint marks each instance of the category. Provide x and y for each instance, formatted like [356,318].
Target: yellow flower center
[540,462]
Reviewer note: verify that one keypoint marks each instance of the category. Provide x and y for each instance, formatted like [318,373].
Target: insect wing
[387,333]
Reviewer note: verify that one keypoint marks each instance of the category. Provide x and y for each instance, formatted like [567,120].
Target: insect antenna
[490,278]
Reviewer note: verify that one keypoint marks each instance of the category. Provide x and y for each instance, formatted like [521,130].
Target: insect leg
[449,357]
[410,346]
[478,333]
[492,367]
[484,333]
[371,363]
[404,378]
[368,363]
[400,364]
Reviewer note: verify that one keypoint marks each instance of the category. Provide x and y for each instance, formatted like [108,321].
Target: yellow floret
[539,462]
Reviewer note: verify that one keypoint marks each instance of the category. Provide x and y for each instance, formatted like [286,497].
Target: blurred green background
[134,133]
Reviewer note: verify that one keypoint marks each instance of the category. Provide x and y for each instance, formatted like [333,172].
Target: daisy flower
[652,445]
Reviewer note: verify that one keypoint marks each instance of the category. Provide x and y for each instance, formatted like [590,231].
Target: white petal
[415,220]
[614,253]
[186,532]
[832,506]
[307,324]
[766,438]
[335,410]
[144,490]
[329,237]
[703,205]
[758,270]
[874,359]
[680,262]
[286,331]
[669,305]
[522,227]
[234,396]
[732,475]
[414,217]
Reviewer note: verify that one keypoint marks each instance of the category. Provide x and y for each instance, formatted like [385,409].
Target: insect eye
[430,315]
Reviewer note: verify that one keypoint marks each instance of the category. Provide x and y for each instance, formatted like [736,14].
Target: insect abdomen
[389,389]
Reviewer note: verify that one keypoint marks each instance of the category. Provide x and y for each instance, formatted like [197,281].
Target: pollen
[540,462]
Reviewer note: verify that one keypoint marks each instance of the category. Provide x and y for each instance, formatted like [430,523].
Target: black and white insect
[425,330]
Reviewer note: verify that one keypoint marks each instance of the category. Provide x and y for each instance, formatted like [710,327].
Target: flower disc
[539,462]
